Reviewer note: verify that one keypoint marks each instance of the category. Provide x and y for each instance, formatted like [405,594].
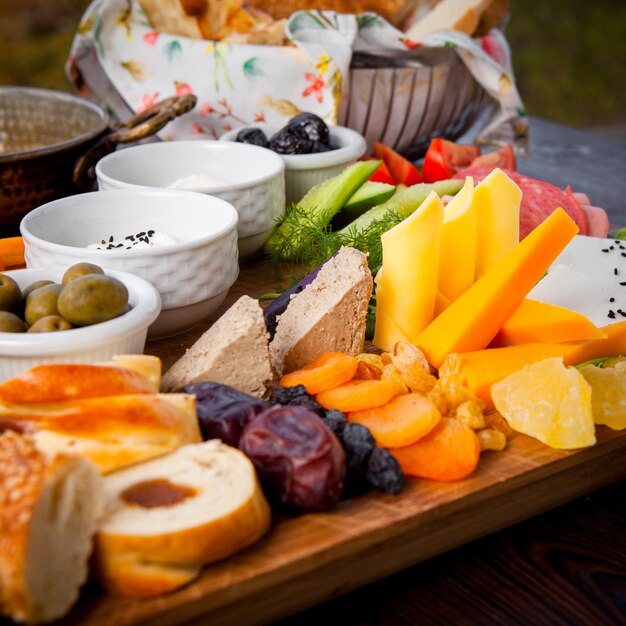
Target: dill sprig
[306,241]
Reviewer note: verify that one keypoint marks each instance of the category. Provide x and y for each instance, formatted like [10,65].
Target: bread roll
[473,17]
[328,316]
[167,517]
[198,19]
[234,351]
[112,432]
[48,513]
[281,9]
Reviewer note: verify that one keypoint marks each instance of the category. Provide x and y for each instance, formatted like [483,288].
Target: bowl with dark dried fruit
[184,243]
[312,150]
[249,178]
[76,314]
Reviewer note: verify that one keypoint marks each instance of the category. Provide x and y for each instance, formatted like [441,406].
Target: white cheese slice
[586,277]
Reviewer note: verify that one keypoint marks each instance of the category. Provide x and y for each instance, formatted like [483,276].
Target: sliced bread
[112,432]
[328,316]
[234,351]
[167,517]
[49,508]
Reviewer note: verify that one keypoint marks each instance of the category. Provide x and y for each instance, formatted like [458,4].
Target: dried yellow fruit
[491,439]
[548,401]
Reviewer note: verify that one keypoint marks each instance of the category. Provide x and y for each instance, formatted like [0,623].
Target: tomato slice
[383,175]
[402,170]
[504,158]
[444,158]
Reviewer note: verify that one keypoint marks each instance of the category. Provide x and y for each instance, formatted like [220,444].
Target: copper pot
[50,142]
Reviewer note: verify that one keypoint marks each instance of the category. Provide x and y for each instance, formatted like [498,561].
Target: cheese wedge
[496,200]
[473,319]
[538,322]
[408,284]
[458,243]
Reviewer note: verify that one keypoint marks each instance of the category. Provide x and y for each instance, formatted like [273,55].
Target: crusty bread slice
[167,517]
[234,351]
[328,316]
[461,15]
[49,508]
[59,382]
[112,432]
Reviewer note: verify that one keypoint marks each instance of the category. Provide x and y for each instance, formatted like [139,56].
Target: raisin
[311,126]
[336,421]
[358,444]
[296,396]
[222,411]
[252,135]
[299,461]
[285,395]
[384,472]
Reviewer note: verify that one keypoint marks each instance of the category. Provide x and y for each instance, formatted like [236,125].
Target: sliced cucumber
[370,194]
[321,203]
[403,203]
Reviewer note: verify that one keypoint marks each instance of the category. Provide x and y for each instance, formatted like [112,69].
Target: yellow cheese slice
[407,286]
[387,332]
[458,243]
[496,200]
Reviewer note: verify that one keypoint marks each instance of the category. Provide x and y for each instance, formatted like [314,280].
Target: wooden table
[567,566]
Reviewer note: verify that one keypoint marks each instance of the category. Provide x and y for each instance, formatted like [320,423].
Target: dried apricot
[357,395]
[327,371]
[400,422]
[450,451]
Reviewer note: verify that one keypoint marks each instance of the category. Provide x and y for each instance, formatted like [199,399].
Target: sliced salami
[539,199]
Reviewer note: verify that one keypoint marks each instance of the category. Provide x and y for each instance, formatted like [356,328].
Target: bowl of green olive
[75,314]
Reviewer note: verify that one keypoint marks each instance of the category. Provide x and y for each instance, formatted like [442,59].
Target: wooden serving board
[306,560]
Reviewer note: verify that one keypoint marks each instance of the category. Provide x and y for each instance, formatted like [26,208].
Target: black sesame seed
[605,249]
[611,314]
[623,313]
[611,299]
[150,233]
[623,283]
[615,271]
[611,247]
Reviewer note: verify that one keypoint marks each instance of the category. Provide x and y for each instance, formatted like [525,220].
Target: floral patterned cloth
[121,63]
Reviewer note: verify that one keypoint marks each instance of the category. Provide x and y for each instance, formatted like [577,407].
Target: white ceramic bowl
[255,179]
[192,276]
[303,171]
[125,334]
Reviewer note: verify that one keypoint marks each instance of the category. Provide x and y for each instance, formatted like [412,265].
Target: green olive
[42,302]
[50,323]
[80,269]
[10,294]
[33,286]
[11,323]
[92,299]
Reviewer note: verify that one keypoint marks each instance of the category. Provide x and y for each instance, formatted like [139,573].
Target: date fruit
[223,412]
[299,461]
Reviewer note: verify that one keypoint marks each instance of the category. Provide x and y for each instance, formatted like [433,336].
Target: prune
[383,471]
[252,135]
[223,412]
[358,444]
[290,141]
[300,463]
[336,421]
[322,147]
[311,126]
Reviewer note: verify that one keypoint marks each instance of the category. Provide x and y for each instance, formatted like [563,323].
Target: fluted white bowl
[303,171]
[192,276]
[125,334]
[254,177]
